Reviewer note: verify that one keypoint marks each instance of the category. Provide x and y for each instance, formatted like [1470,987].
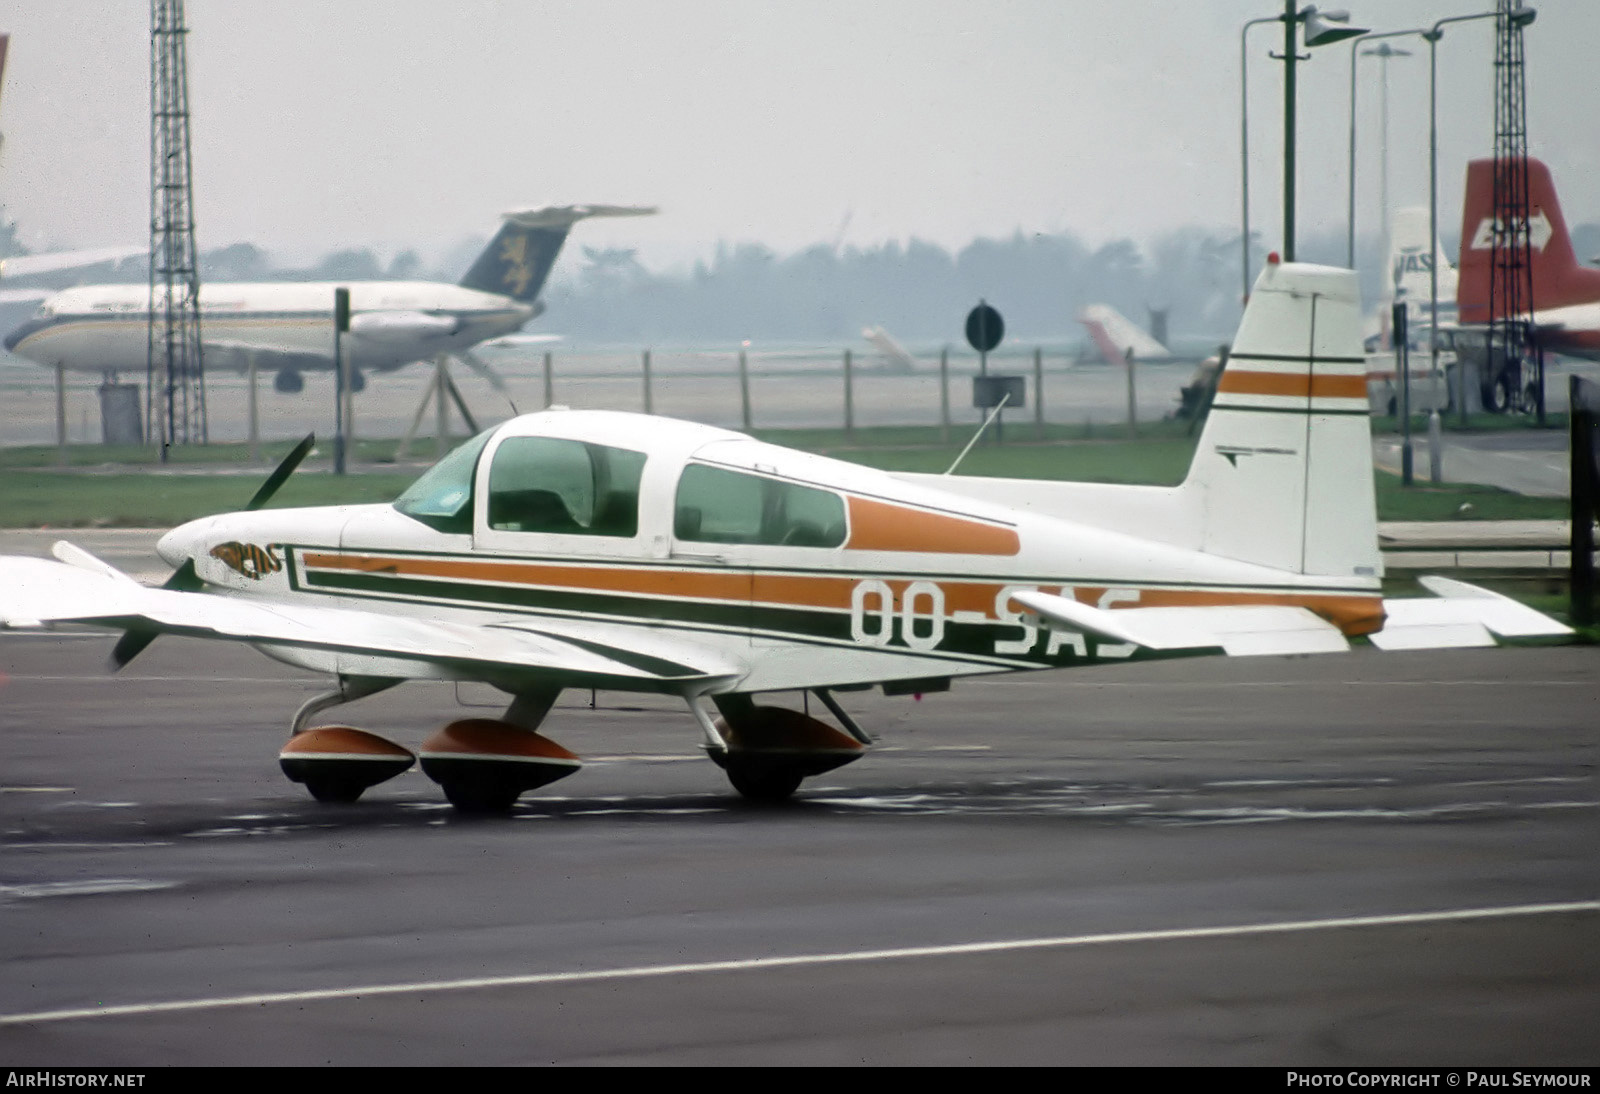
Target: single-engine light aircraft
[586,549]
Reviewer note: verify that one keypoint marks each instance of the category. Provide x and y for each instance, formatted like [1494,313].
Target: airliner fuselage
[103,328]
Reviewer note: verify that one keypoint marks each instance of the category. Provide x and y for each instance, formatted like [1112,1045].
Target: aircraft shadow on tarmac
[1378,798]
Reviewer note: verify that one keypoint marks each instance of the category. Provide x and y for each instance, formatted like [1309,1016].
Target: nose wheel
[768,751]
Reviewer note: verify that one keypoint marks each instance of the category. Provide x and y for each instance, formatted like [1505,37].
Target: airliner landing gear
[484,764]
[767,751]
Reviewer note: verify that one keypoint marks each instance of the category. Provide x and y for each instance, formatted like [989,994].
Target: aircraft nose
[24,332]
[180,544]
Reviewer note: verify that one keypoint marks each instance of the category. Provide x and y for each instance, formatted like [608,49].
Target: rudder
[519,258]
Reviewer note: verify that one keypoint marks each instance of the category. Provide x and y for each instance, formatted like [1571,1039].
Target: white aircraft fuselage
[103,328]
[287,326]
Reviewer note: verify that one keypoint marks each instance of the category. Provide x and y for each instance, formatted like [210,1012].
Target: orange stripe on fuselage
[1353,613]
[880,526]
[1295,384]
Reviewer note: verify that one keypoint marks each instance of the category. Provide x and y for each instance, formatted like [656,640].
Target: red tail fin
[1558,280]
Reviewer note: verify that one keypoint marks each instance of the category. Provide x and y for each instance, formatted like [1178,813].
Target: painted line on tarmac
[640,972]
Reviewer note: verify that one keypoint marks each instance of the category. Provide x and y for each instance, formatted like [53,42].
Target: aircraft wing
[235,355]
[59,261]
[35,592]
[1457,615]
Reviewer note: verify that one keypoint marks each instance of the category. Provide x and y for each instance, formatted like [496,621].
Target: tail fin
[1558,280]
[1282,476]
[895,355]
[1116,336]
[1412,262]
[519,258]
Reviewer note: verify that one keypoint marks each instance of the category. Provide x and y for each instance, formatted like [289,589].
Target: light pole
[1244,152]
[1322,28]
[1521,17]
[1350,220]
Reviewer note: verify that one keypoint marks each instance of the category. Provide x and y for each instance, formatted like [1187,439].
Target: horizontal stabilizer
[1237,630]
[563,216]
[1459,615]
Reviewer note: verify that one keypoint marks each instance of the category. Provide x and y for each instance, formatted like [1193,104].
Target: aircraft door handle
[692,556]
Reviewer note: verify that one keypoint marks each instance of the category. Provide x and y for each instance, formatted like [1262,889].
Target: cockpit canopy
[567,486]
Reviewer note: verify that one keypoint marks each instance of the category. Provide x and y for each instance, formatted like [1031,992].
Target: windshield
[442,497]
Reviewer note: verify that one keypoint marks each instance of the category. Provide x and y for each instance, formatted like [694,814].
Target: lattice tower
[175,388]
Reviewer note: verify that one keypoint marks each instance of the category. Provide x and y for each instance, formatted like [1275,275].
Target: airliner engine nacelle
[403,326]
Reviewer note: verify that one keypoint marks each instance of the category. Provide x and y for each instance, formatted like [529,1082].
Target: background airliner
[288,326]
[1566,295]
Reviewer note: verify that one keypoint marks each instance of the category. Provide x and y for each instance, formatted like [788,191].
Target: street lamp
[1322,28]
[1520,17]
[1385,52]
[1244,151]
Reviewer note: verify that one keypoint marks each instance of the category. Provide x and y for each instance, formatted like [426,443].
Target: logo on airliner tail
[514,253]
[1538,228]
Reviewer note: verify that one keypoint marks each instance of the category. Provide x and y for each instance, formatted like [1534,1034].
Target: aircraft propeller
[184,579]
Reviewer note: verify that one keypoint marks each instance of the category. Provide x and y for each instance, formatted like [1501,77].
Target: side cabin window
[442,497]
[716,505]
[564,487]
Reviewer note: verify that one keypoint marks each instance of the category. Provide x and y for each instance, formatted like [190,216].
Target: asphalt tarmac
[1345,860]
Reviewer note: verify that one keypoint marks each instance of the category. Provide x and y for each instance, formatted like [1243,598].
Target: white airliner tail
[1411,265]
[1117,337]
[895,356]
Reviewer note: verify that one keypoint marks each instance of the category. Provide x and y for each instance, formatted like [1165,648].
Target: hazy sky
[391,122]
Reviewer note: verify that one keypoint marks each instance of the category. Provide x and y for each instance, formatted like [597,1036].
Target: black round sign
[985,328]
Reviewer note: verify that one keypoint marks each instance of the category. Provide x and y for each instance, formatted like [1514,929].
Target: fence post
[849,401]
[648,402]
[944,395]
[61,414]
[549,381]
[1133,409]
[1038,392]
[1581,421]
[255,412]
[744,389]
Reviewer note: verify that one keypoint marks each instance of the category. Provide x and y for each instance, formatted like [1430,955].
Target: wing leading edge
[82,589]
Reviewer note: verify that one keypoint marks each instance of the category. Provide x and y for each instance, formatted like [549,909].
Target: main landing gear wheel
[338,763]
[767,751]
[763,781]
[483,764]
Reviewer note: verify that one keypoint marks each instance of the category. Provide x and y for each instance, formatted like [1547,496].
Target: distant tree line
[916,289]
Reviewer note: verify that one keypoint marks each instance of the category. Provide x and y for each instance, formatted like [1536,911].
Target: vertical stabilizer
[1282,475]
[1558,279]
[519,258]
[1116,336]
[1412,262]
